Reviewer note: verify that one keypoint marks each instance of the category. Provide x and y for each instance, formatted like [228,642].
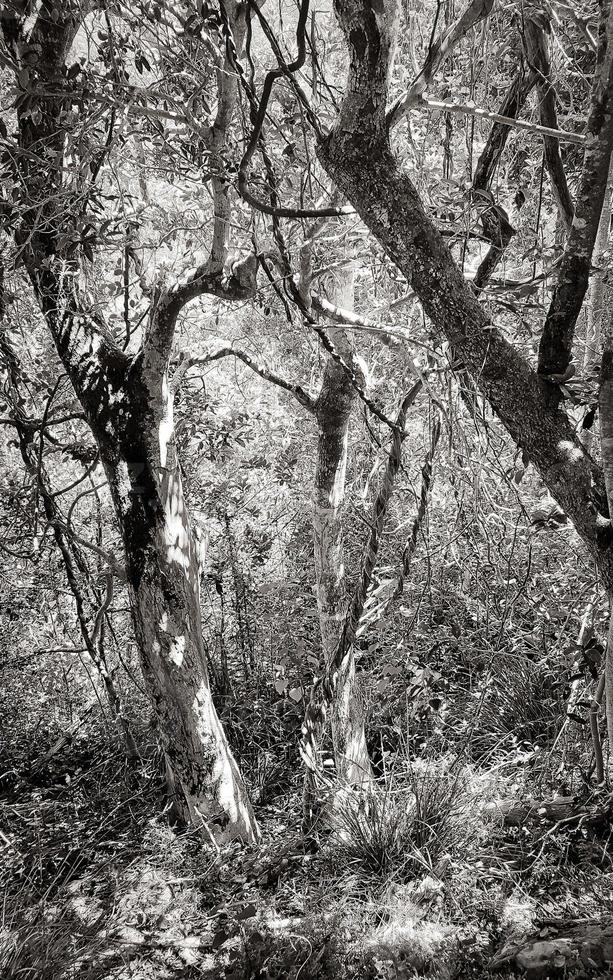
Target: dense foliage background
[484,837]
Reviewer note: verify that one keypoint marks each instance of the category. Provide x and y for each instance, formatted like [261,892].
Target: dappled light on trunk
[306,489]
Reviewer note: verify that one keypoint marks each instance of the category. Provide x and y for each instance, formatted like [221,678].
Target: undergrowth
[422,876]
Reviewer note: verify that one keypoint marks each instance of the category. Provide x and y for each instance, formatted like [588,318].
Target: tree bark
[360,161]
[535,29]
[324,691]
[357,156]
[164,581]
[333,410]
[605,409]
[600,291]
[128,405]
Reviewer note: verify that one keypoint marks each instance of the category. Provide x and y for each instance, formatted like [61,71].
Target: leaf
[247,912]
[296,694]
[281,685]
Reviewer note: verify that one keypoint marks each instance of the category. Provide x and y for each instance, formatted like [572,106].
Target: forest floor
[448,874]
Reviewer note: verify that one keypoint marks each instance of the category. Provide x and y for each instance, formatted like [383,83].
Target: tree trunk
[357,155]
[535,30]
[163,578]
[325,690]
[605,399]
[599,290]
[127,403]
[333,412]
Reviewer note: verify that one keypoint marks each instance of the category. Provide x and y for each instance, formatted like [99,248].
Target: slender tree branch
[259,110]
[581,22]
[555,348]
[348,318]
[324,688]
[537,56]
[424,496]
[293,388]
[496,226]
[473,13]
[468,109]
[281,259]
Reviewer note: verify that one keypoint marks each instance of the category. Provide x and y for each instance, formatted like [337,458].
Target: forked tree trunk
[325,690]
[357,155]
[163,578]
[333,412]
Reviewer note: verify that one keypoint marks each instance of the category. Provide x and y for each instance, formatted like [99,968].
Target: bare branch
[282,261]
[210,278]
[555,349]
[537,56]
[259,109]
[474,13]
[496,226]
[299,393]
[468,109]
[353,321]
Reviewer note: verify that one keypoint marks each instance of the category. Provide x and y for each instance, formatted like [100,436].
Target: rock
[540,959]
[598,947]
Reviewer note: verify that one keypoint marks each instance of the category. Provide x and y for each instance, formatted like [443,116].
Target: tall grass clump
[404,830]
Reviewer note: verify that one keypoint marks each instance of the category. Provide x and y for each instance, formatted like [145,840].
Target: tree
[125,396]
[357,154]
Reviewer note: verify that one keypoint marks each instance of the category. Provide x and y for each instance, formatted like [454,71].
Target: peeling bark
[324,691]
[127,403]
[163,578]
[333,410]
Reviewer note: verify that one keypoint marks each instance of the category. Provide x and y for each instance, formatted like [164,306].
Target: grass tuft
[408,830]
